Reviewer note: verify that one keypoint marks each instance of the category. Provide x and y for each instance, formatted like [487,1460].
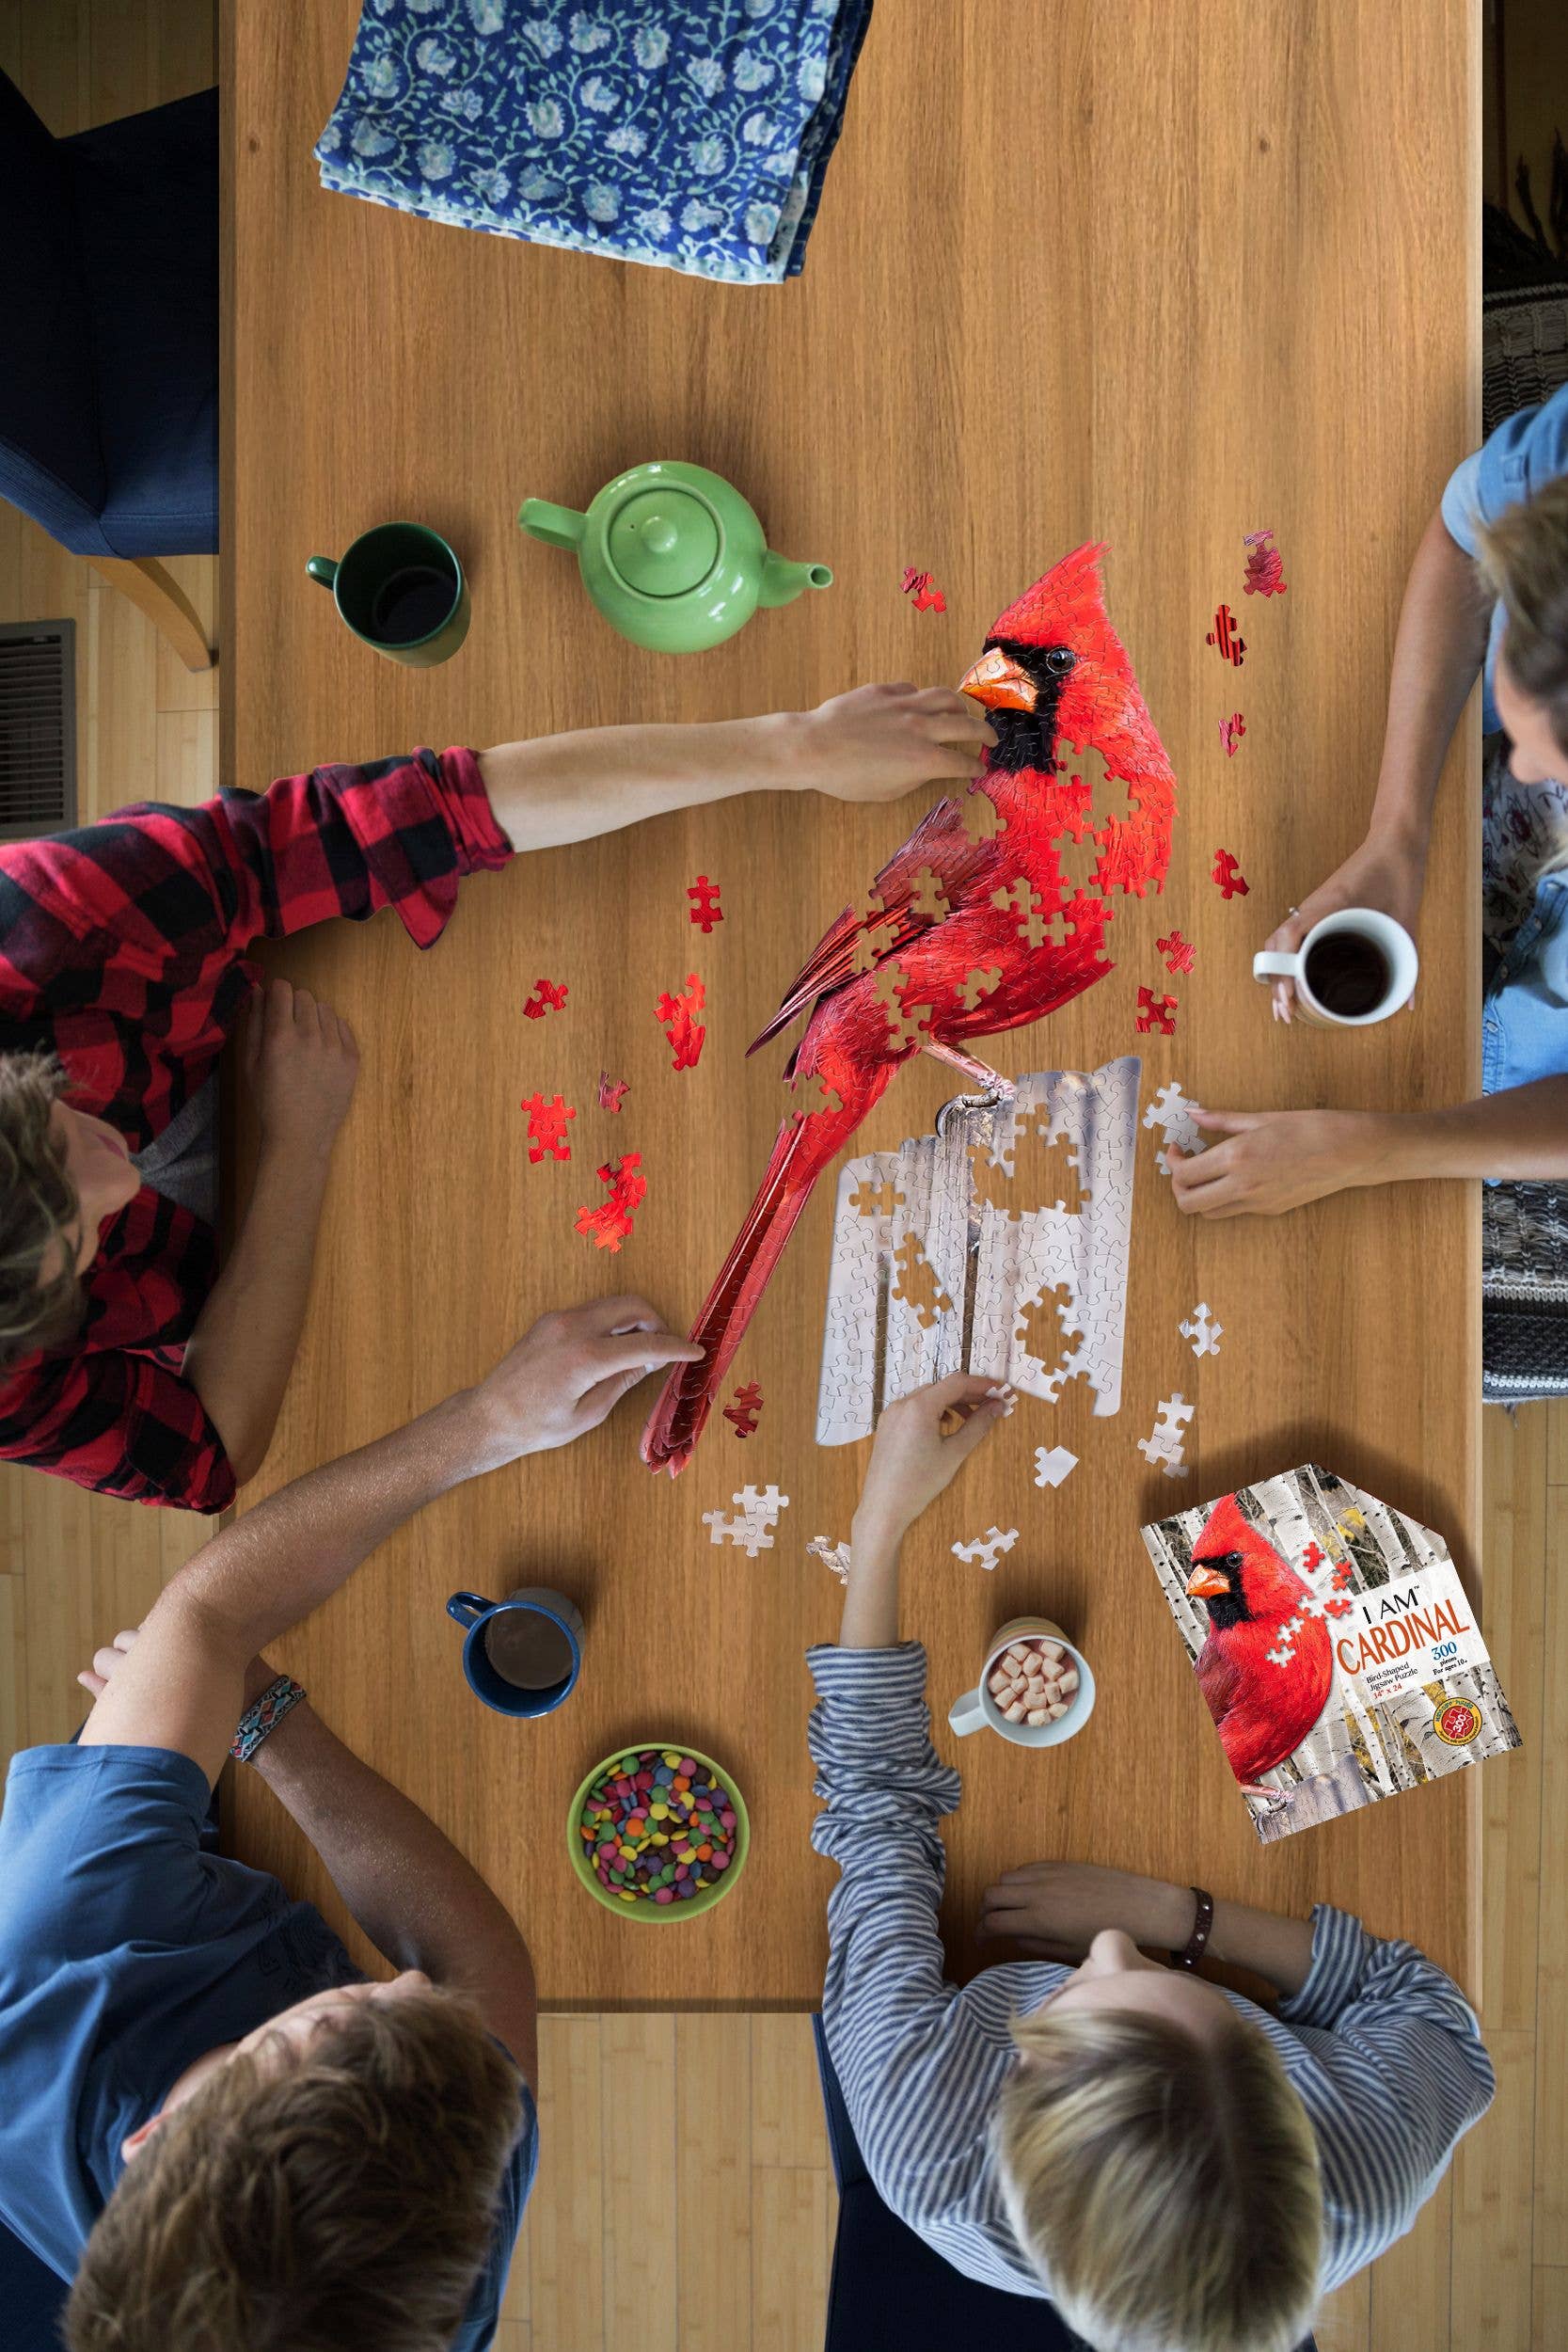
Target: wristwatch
[264,1715]
[1197,1942]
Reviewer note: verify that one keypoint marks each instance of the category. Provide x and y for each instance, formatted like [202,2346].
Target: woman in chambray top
[1488,592]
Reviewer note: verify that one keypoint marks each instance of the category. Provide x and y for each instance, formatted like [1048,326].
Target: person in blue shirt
[210,2119]
[1488,593]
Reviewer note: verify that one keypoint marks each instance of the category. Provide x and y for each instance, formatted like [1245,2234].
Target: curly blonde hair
[39,1208]
[1165,2189]
[345,2197]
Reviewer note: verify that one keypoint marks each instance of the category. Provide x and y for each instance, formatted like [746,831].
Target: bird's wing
[940,842]
[1219,1679]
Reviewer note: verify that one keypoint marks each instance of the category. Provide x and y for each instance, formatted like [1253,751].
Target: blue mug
[532,1633]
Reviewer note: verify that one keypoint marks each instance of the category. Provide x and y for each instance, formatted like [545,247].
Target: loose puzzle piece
[1232,732]
[1179,956]
[988,1548]
[1265,566]
[677,1016]
[546,1126]
[1022,900]
[816,1093]
[982,819]
[916,1285]
[612,1091]
[1053,1467]
[928,897]
[832,1556]
[979,983]
[704,909]
[1155,1013]
[1171,1111]
[1223,636]
[742,1414]
[1165,1445]
[608,1224]
[751,1529]
[549,997]
[927,596]
[1202,1331]
[1311,1558]
[906,1024]
[1229,875]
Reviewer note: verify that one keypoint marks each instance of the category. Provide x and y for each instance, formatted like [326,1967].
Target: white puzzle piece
[898,1318]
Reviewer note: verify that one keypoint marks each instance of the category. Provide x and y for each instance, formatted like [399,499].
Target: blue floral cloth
[692,135]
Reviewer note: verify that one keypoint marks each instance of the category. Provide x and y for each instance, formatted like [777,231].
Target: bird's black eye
[1231,1560]
[1060,659]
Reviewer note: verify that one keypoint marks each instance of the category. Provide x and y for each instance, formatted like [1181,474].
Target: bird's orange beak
[999,683]
[1205,1582]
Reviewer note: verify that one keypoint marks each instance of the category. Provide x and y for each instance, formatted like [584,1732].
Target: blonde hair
[1166,2189]
[347,2198]
[39,1209]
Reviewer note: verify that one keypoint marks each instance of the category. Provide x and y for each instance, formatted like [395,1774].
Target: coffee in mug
[1353,968]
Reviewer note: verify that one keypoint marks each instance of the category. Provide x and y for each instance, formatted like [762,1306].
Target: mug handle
[466,1608]
[322,568]
[1275,965]
[967,1714]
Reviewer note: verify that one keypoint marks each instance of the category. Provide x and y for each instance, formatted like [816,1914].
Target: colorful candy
[657,1826]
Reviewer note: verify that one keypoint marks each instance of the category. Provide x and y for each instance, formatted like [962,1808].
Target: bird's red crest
[1065,606]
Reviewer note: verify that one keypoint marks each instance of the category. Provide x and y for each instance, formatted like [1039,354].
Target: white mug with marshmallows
[1355,967]
[1037,1652]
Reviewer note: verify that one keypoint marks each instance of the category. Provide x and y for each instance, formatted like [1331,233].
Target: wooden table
[1161,280]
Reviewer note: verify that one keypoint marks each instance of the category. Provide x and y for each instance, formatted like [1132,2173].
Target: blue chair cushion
[31,2297]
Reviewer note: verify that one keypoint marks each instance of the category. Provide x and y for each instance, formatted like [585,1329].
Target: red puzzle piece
[549,997]
[1312,1558]
[608,1224]
[1179,955]
[928,597]
[1341,1577]
[677,1017]
[1341,1608]
[1265,566]
[1229,875]
[1156,1012]
[546,1126]
[704,909]
[1224,637]
[1232,732]
[742,1414]
[612,1091]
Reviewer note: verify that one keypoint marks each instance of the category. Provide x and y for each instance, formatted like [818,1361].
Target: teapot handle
[558,526]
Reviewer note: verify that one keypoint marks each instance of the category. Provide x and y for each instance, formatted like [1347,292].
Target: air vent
[38,728]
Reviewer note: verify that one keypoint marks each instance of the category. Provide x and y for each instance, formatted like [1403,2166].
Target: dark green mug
[401,590]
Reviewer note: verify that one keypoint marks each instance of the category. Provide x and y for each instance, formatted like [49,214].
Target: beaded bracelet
[1202,1924]
[264,1715]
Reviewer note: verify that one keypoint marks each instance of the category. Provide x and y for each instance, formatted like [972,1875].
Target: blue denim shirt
[1525,1023]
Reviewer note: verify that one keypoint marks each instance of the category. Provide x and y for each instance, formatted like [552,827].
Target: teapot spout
[783,582]
[558,526]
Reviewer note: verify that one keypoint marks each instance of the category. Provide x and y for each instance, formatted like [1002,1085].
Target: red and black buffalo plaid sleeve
[123,951]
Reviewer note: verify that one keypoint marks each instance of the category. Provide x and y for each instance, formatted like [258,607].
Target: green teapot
[672,556]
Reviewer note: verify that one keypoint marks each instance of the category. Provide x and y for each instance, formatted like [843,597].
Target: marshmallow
[1014,1714]
[1037,1716]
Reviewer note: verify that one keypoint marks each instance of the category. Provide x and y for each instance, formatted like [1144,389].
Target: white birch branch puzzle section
[1319,1576]
[929,1279]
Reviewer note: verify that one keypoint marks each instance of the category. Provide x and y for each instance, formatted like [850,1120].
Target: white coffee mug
[977,1709]
[1392,942]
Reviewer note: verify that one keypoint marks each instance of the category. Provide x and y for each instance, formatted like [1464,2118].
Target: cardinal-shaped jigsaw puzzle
[1333,1642]
[971,928]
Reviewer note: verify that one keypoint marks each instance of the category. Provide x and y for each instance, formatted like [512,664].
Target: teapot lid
[663,542]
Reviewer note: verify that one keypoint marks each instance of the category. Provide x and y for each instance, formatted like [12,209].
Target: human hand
[1272,1161]
[570,1371]
[97,1677]
[302,1062]
[877,742]
[1055,1910]
[911,1460]
[1383,872]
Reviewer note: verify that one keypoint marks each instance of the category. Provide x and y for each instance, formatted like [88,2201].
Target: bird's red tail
[676,1420]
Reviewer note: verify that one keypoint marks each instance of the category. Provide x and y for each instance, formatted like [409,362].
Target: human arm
[1438,652]
[301,1061]
[183,1685]
[911,1461]
[1055,1910]
[874,744]
[1267,1162]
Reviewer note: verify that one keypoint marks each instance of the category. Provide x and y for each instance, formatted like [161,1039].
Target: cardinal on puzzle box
[1334,1645]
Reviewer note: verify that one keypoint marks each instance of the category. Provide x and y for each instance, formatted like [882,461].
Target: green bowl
[657,1915]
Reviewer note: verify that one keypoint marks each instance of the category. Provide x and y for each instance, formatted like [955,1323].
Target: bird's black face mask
[1026,739]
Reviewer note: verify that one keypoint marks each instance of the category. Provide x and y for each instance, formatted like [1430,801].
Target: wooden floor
[684,2197]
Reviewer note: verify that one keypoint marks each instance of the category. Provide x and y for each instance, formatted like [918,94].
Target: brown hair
[1524,561]
[1165,2189]
[345,2197]
[38,1207]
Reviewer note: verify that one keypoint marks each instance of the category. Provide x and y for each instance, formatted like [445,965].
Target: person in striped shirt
[1174,2166]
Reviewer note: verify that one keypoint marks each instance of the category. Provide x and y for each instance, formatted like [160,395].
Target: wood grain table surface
[1159,278]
